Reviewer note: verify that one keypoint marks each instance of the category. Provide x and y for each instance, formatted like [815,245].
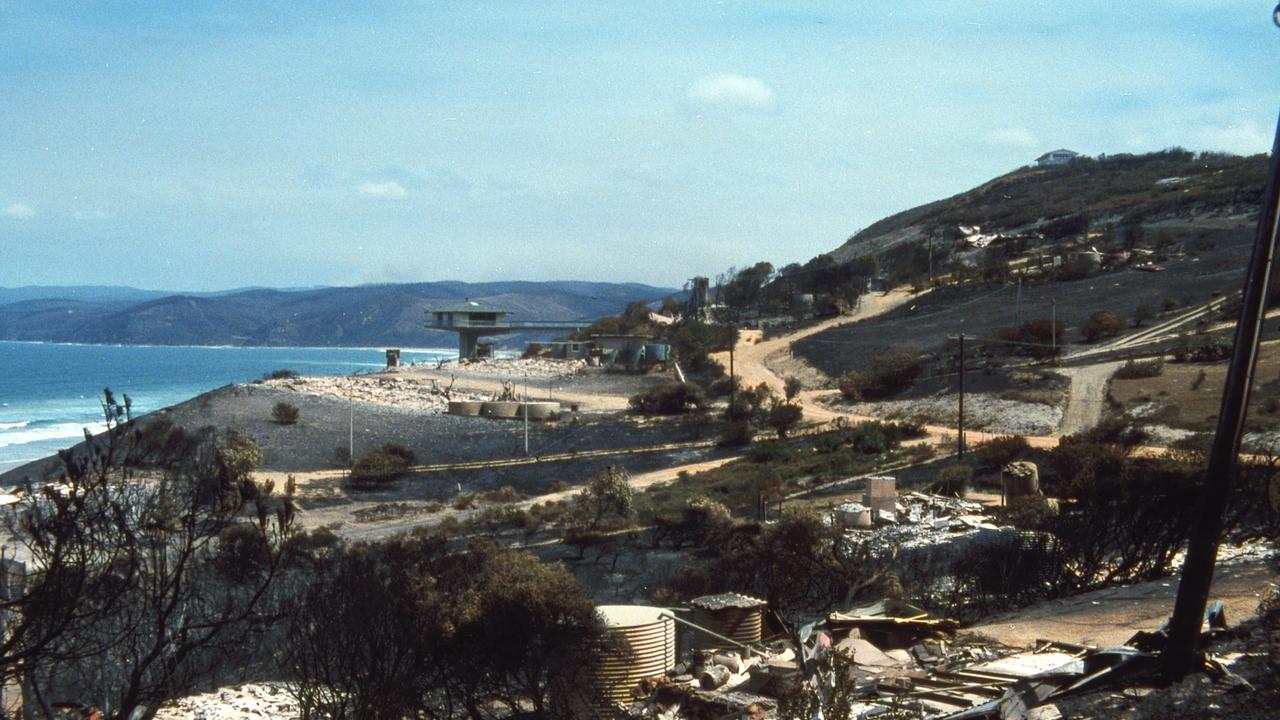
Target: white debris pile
[543,368]
[409,393]
[930,522]
[254,701]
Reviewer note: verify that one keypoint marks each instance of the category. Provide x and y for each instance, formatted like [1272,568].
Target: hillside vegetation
[1110,188]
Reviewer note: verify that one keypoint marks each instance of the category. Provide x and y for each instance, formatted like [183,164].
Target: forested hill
[367,315]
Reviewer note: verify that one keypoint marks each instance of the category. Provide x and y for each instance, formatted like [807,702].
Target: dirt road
[1110,617]
[1088,396]
[755,357]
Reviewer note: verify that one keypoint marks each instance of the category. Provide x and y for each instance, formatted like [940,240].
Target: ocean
[50,392]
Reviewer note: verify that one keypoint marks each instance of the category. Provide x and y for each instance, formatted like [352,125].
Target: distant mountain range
[367,315]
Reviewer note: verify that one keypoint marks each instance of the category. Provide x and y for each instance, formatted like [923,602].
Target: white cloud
[388,189]
[729,89]
[1014,136]
[1246,138]
[20,211]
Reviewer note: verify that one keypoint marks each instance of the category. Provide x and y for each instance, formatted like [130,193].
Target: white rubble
[409,393]
[253,701]
[542,368]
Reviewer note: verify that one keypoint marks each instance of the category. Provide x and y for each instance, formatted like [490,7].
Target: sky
[206,145]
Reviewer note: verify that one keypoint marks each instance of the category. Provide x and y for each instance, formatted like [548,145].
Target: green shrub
[869,438]
[668,399]
[737,434]
[785,416]
[770,452]
[284,413]
[1101,324]
[1144,313]
[1135,370]
[739,410]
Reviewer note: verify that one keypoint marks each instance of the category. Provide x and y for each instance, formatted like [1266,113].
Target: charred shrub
[284,413]
[381,465]
[889,373]
[1000,451]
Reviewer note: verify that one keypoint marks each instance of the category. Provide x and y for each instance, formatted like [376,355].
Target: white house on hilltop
[1061,156]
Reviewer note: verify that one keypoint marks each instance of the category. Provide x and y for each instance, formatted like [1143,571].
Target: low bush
[1136,370]
[1036,338]
[281,374]
[889,373]
[737,434]
[1101,324]
[770,452]
[952,481]
[668,399]
[1144,313]
[284,413]
[381,465]
[784,417]
[1000,451]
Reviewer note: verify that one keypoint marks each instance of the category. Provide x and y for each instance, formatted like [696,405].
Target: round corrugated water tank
[731,615]
[470,408]
[539,410]
[643,646]
[500,409]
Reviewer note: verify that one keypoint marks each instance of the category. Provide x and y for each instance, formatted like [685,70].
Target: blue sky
[206,145]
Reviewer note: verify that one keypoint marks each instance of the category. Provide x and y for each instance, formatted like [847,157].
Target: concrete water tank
[544,410]
[468,408]
[500,409]
[881,495]
[1021,478]
[737,617]
[643,645]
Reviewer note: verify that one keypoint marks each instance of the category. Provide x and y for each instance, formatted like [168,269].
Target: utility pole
[525,405]
[931,257]
[1053,328]
[960,423]
[1017,305]
[1180,655]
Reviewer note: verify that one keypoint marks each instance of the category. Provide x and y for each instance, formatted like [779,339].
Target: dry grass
[1182,402]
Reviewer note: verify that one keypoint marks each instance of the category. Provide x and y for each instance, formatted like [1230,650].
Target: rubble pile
[542,368]
[921,524]
[408,393]
[256,701]
[891,660]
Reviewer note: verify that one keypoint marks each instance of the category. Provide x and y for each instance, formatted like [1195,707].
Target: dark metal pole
[1180,656]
